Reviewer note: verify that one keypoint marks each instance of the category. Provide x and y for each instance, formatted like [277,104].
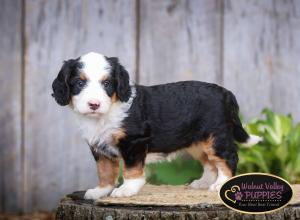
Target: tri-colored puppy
[121,120]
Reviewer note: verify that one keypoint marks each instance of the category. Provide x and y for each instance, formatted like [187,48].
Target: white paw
[130,187]
[200,184]
[97,192]
[209,177]
[215,187]
[222,178]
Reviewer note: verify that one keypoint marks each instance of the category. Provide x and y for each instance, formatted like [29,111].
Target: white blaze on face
[95,68]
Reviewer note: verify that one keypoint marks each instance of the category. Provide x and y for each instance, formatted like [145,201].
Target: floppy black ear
[121,76]
[60,86]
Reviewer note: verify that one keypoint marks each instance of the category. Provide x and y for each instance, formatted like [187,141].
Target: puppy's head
[91,84]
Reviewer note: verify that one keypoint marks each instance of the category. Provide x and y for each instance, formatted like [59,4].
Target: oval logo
[256,193]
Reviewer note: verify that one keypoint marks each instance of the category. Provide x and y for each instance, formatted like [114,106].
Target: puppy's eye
[106,83]
[80,83]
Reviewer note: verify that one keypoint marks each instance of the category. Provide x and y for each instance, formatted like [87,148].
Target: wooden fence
[249,46]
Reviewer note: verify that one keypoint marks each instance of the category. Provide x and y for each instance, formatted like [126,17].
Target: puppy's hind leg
[209,175]
[225,159]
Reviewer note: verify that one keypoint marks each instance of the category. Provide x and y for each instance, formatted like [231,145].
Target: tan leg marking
[222,164]
[119,134]
[209,170]
[108,171]
[213,158]
[134,172]
[224,172]
[134,180]
[197,151]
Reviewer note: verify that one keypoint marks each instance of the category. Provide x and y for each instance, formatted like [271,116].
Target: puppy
[120,120]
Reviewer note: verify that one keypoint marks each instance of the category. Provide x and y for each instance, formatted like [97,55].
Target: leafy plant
[182,170]
[279,152]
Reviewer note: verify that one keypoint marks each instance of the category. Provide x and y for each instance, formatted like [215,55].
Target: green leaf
[179,171]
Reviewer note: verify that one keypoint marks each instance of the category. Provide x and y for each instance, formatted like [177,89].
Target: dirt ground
[31,216]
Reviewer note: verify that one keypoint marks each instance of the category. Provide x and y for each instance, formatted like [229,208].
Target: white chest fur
[97,131]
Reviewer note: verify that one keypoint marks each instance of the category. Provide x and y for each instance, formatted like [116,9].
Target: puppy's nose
[94,104]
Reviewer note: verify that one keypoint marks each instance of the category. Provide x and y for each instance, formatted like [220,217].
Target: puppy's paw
[130,187]
[123,191]
[200,184]
[215,187]
[208,178]
[97,192]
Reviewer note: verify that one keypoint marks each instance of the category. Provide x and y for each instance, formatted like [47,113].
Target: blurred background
[251,47]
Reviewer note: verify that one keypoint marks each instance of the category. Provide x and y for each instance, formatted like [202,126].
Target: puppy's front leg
[108,171]
[133,149]
[134,179]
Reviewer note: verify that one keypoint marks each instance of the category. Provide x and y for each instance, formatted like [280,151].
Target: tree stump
[164,202]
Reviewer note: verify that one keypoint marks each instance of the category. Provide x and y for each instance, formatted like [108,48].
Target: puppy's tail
[239,132]
[244,138]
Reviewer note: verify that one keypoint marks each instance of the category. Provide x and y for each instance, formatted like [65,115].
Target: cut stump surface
[164,202]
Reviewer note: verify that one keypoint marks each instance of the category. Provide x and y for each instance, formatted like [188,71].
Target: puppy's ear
[121,77]
[60,86]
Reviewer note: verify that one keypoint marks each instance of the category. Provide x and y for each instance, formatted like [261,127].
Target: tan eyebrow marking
[83,76]
[103,78]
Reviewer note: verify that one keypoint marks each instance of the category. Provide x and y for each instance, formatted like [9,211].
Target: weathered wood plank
[246,64]
[180,40]
[10,102]
[261,53]
[57,160]
[285,65]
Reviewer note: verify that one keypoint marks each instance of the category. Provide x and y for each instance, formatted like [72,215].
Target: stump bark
[164,202]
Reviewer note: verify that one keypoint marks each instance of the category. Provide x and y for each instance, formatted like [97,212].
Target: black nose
[94,105]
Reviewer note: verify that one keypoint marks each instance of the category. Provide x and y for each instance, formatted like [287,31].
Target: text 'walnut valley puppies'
[120,120]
